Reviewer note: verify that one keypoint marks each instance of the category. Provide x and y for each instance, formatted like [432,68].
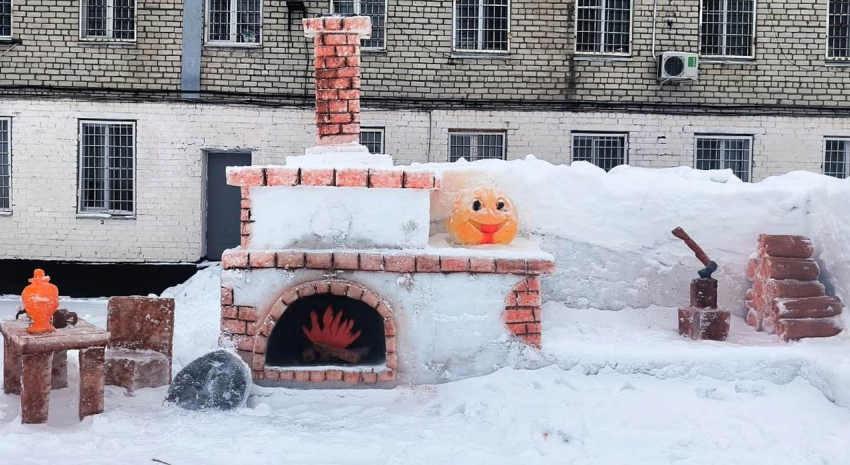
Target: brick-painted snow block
[704,323]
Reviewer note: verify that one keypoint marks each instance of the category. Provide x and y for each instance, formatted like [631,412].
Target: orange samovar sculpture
[41,299]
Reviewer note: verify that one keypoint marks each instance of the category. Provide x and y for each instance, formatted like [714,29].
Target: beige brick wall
[789,66]
[52,54]
[172,138]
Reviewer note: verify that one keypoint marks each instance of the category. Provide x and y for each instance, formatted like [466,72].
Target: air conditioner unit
[678,66]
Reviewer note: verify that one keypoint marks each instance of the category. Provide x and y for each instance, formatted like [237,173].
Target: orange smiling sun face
[482,216]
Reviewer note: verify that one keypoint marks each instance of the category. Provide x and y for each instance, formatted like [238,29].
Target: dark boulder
[218,380]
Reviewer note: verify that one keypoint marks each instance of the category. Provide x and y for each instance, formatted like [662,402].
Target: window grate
[603,26]
[5,165]
[838,34]
[5,18]
[372,139]
[234,21]
[375,9]
[476,146]
[603,150]
[107,159]
[727,28]
[481,25]
[725,152]
[837,158]
[109,19]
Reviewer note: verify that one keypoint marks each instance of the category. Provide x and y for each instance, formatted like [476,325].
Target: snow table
[29,362]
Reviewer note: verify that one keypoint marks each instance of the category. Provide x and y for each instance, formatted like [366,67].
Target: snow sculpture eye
[476,205]
[500,205]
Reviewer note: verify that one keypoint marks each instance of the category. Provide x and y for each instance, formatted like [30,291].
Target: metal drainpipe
[654,21]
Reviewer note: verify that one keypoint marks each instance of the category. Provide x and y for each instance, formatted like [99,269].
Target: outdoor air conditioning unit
[678,66]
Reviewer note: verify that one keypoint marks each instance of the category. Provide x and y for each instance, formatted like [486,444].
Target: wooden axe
[710,265]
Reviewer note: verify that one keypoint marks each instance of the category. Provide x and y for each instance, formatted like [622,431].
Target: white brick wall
[172,139]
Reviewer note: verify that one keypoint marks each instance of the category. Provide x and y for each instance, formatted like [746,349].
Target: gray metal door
[223,203]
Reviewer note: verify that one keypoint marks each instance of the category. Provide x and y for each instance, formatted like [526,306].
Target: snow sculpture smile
[482,216]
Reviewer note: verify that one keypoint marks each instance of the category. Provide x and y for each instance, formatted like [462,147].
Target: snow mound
[197,315]
[610,232]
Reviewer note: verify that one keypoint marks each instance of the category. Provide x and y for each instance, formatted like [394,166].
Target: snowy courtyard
[611,388]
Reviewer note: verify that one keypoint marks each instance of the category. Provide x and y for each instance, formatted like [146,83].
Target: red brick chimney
[337,62]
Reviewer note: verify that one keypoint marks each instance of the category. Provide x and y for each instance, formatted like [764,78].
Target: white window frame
[624,135]
[357,7]
[105,213]
[11,21]
[846,140]
[109,23]
[479,51]
[474,133]
[752,56]
[828,52]
[4,211]
[233,33]
[697,137]
[377,130]
[602,45]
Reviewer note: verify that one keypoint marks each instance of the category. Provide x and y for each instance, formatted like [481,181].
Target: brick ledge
[374,178]
[347,260]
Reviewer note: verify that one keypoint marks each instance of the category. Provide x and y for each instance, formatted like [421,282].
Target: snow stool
[139,350]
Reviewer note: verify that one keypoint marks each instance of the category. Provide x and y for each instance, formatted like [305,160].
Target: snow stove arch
[337,287]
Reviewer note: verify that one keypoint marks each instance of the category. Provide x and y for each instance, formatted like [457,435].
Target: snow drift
[610,232]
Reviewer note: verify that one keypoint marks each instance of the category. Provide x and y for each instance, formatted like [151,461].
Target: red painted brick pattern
[277,176]
[371,261]
[522,313]
[240,323]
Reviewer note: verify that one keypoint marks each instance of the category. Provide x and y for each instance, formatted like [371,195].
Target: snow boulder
[218,380]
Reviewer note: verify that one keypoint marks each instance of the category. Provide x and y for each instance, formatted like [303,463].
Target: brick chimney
[337,62]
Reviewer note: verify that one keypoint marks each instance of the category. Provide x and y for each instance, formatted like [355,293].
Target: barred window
[603,150]
[603,26]
[108,19]
[726,28]
[836,162]
[373,139]
[725,152]
[375,9]
[107,167]
[476,146]
[481,25]
[838,35]
[234,21]
[6,18]
[5,165]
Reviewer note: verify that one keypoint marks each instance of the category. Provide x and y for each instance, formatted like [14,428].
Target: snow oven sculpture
[338,278]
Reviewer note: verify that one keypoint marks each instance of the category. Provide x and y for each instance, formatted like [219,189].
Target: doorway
[223,203]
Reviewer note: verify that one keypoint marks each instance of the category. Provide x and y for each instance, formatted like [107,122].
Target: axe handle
[701,256]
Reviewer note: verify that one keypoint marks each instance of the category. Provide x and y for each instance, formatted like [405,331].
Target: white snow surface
[609,388]
[610,233]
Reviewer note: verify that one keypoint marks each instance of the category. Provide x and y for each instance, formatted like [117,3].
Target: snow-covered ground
[609,388]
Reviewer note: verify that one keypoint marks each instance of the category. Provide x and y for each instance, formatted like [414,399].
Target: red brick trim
[235,259]
[264,323]
[246,216]
[523,311]
[375,178]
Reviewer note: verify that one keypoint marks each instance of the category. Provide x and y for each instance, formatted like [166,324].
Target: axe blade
[706,272]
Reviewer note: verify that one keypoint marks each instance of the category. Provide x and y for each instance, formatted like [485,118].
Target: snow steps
[786,297]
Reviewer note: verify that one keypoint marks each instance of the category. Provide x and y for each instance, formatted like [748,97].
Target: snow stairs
[786,297]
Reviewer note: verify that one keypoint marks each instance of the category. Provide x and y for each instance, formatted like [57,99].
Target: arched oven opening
[327,329]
